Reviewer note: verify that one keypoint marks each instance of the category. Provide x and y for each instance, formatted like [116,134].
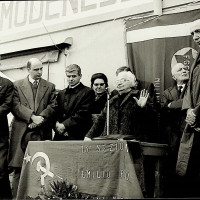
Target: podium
[154,154]
[106,168]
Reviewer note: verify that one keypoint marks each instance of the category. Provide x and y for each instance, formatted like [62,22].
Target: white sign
[19,14]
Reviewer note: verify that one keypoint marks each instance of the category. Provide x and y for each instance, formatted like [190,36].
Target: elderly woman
[99,83]
[126,111]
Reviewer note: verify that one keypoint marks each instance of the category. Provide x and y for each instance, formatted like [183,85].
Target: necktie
[35,86]
[179,90]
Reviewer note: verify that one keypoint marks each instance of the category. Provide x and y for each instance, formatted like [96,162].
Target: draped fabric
[157,43]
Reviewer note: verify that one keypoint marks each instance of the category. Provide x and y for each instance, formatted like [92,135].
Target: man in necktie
[74,107]
[34,105]
[172,125]
[188,164]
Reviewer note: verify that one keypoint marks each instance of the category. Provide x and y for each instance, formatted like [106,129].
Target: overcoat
[173,118]
[6,94]
[74,111]
[24,106]
[125,117]
[190,139]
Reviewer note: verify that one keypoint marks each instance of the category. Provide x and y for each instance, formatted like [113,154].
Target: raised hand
[143,98]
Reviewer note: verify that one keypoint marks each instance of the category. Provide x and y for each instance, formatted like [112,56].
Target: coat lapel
[27,91]
[42,88]
[174,93]
[190,80]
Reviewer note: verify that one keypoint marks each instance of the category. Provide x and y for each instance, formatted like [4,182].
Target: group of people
[79,112]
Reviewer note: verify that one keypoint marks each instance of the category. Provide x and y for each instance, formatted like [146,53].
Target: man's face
[99,86]
[123,83]
[180,73]
[73,78]
[196,36]
[36,69]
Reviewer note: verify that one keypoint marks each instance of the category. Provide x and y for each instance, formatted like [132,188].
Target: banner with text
[103,168]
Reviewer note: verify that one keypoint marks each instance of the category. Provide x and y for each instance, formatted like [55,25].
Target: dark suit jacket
[23,107]
[99,104]
[6,94]
[173,118]
[76,116]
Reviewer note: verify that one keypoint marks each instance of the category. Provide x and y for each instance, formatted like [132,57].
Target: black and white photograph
[99,99]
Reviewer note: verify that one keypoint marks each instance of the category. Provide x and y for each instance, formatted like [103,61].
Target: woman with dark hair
[99,83]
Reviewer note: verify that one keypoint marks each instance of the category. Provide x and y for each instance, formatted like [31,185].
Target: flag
[155,44]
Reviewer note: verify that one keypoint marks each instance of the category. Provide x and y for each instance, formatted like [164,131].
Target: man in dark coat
[188,164]
[6,94]
[172,124]
[74,107]
[34,104]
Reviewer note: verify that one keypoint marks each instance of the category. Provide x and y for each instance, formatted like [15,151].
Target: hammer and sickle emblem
[41,168]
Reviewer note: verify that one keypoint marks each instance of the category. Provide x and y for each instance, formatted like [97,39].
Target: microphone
[108,90]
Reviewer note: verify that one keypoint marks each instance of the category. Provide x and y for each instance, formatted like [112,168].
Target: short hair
[123,68]
[195,25]
[30,61]
[131,77]
[73,67]
[99,76]
[176,65]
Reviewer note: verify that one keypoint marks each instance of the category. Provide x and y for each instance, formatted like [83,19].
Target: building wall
[99,42]
[96,48]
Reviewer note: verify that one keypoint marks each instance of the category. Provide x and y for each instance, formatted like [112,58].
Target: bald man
[188,164]
[34,105]
[173,123]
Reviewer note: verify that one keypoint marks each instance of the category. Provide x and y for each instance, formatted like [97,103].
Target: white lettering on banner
[103,148]
[124,175]
[14,14]
[91,174]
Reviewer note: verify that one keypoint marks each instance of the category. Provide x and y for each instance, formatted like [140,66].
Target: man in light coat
[34,105]
[188,163]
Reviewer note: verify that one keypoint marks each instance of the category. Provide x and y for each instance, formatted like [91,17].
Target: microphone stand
[108,110]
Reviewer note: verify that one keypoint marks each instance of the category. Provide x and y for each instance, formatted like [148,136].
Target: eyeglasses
[97,84]
[123,80]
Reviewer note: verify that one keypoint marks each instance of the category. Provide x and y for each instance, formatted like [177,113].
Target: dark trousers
[5,189]
[15,182]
